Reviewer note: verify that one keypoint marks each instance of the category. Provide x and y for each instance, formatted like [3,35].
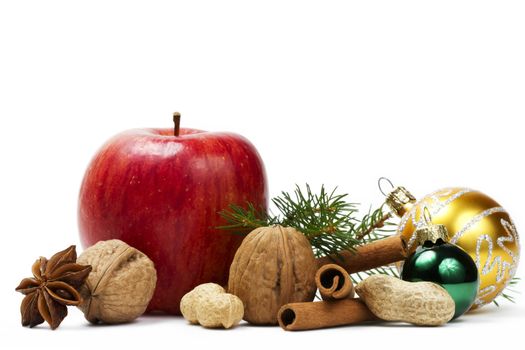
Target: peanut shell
[419,303]
[189,302]
[223,310]
[209,306]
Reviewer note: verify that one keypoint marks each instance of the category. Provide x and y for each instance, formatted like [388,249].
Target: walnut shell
[121,284]
[272,267]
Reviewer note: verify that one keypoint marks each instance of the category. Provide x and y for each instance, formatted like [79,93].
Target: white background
[430,94]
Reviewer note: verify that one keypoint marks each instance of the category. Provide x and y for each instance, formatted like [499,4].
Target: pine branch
[243,220]
[372,222]
[327,219]
[375,225]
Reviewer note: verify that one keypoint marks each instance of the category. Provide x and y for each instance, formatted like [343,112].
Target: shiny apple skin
[162,193]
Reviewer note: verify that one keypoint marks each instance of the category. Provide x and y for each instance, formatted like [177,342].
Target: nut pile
[272,279]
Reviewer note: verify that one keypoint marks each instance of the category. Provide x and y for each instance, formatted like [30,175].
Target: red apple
[161,194]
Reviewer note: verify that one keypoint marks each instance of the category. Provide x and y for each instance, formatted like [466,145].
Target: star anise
[52,288]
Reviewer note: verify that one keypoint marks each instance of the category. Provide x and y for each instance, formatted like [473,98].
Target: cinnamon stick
[334,282]
[382,252]
[323,314]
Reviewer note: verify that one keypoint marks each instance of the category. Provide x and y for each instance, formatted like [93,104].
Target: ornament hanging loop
[430,232]
[427,216]
[380,184]
[397,198]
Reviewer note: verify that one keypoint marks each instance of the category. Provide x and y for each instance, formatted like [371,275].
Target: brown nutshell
[120,285]
[419,303]
[273,266]
[210,306]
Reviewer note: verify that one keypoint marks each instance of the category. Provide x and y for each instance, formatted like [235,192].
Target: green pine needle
[373,226]
[243,220]
[508,292]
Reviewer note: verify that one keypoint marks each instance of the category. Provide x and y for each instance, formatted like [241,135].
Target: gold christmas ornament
[475,222]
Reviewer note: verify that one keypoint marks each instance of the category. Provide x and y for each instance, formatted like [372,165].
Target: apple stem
[176,120]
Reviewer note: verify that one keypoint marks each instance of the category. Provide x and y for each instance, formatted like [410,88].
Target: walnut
[272,267]
[210,306]
[120,285]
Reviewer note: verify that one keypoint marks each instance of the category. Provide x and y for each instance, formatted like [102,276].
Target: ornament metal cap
[400,200]
[431,232]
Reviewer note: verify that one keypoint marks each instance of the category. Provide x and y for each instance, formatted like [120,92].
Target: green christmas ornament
[436,260]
